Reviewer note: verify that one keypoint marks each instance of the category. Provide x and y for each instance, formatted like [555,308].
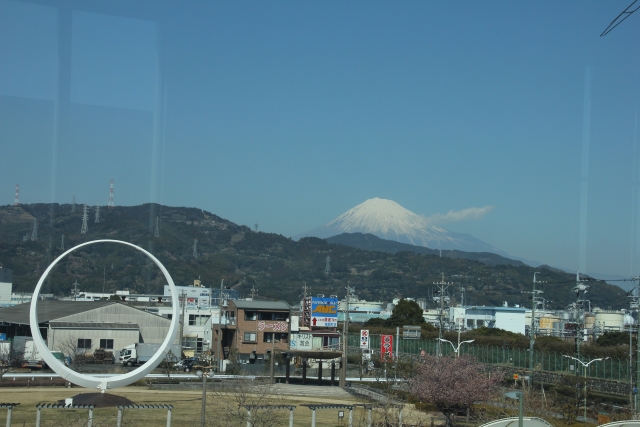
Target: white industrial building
[508,318]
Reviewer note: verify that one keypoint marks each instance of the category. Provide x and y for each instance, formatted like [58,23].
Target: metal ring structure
[103,383]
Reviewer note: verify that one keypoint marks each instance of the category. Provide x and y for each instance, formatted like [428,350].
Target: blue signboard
[324,312]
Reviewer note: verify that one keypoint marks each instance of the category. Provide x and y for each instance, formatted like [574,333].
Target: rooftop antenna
[327,266]
[85,217]
[157,231]
[97,214]
[111,205]
[34,232]
[195,248]
[16,201]
[73,204]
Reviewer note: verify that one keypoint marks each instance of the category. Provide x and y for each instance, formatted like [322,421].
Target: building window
[198,320]
[470,323]
[249,337]
[84,343]
[480,323]
[279,337]
[107,344]
[250,315]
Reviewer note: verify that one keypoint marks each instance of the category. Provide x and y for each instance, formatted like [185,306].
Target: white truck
[27,353]
[139,353]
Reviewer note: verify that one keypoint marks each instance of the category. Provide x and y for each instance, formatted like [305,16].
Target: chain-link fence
[609,369]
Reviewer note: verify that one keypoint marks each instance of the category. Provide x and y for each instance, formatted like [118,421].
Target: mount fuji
[390,221]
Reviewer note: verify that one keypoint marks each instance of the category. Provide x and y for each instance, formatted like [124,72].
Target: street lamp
[203,373]
[518,395]
[585,366]
[455,349]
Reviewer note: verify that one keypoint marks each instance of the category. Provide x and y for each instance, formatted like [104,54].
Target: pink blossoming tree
[453,385]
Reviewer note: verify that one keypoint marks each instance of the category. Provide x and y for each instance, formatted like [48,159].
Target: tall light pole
[585,366]
[455,349]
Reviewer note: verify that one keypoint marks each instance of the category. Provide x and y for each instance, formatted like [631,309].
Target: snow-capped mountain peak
[380,216]
[389,220]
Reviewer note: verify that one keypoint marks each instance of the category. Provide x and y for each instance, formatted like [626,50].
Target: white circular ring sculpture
[89,381]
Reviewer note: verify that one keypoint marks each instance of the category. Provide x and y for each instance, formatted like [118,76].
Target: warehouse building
[90,325]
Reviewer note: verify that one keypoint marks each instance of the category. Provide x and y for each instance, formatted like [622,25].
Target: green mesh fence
[609,369]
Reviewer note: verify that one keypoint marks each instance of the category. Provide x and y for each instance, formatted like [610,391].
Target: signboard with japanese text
[324,312]
[301,341]
[386,347]
[364,339]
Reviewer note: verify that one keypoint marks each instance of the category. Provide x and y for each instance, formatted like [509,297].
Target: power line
[626,13]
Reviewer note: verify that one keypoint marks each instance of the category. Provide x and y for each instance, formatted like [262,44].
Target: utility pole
[580,286]
[184,304]
[219,345]
[532,329]
[442,289]
[345,345]
[75,290]
[634,303]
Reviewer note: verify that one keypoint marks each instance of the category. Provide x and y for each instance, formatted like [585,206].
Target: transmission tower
[73,204]
[327,266]
[111,205]
[254,292]
[85,217]
[34,232]
[16,201]
[62,243]
[195,248]
[97,214]
[157,231]
[255,227]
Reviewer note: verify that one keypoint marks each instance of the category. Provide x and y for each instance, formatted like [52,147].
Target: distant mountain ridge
[247,260]
[370,242]
[388,220]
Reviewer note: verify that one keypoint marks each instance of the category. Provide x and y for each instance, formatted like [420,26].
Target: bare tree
[7,358]
[453,385]
[167,364]
[71,346]
[233,399]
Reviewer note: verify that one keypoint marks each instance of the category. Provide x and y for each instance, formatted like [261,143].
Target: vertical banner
[386,347]
[364,339]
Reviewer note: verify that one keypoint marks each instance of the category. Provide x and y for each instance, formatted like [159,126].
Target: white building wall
[62,339]
[513,321]
[5,293]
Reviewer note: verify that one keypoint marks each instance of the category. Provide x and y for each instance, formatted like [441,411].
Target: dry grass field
[222,409]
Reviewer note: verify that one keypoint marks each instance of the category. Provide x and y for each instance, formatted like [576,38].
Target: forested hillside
[275,265]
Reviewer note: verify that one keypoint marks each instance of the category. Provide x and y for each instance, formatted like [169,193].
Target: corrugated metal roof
[261,305]
[49,310]
[94,325]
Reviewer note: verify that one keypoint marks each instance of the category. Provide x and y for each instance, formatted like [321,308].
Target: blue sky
[287,114]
